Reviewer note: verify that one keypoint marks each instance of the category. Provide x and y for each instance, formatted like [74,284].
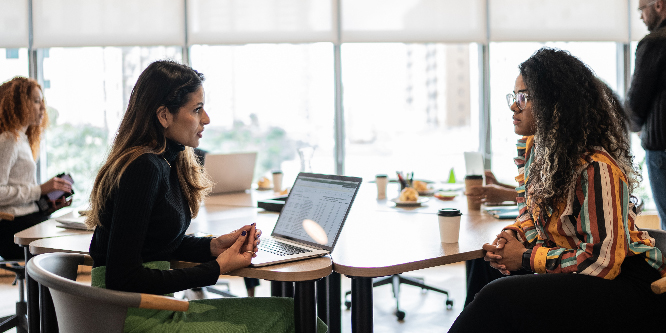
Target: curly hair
[162,83]
[575,113]
[16,111]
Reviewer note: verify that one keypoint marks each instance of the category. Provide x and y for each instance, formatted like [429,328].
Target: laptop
[230,172]
[311,219]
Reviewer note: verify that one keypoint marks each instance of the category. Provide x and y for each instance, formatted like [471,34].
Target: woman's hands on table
[236,249]
[505,253]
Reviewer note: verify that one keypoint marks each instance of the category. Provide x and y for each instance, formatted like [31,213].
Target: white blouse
[18,179]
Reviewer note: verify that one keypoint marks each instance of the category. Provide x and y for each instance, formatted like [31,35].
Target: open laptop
[322,200]
[230,172]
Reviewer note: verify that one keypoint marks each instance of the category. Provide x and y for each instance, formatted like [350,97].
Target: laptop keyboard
[272,246]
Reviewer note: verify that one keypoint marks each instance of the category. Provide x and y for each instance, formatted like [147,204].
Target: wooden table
[213,219]
[378,242]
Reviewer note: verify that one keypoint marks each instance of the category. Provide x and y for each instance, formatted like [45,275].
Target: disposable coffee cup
[473,180]
[449,224]
[382,182]
[277,181]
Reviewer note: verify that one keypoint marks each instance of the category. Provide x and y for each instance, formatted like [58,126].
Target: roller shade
[413,21]
[108,23]
[558,20]
[260,21]
[13,23]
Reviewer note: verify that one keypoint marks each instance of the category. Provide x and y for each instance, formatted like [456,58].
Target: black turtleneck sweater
[145,219]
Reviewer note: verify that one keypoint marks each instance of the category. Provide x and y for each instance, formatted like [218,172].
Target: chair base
[395,281]
[18,321]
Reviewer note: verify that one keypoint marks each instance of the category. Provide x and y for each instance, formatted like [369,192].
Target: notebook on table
[317,206]
[230,172]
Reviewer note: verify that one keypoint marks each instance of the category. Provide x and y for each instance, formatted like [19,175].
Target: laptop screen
[324,199]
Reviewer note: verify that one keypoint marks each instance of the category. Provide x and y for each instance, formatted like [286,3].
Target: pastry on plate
[264,182]
[409,194]
[420,186]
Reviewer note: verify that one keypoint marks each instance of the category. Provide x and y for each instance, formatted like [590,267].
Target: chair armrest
[659,286]
[156,302]
[6,216]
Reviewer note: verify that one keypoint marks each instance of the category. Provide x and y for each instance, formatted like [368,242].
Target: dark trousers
[568,303]
[479,274]
[8,249]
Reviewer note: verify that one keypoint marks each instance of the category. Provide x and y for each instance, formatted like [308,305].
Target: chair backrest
[80,307]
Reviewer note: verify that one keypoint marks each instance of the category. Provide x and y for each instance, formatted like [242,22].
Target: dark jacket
[646,99]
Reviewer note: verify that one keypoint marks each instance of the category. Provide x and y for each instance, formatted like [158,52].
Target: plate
[445,196]
[264,188]
[409,203]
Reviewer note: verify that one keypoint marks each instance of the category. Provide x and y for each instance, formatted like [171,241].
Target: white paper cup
[382,182]
[449,224]
[277,181]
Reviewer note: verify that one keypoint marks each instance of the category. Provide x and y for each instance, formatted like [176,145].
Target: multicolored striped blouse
[592,231]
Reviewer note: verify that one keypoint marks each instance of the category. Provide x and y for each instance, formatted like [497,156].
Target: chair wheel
[400,315]
[449,304]
[348,305]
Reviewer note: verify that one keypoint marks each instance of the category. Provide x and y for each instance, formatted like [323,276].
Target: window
[270,98]
[410,107]
[86,99]
[13,62]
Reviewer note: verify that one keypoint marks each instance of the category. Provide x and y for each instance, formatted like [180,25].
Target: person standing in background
[646,99]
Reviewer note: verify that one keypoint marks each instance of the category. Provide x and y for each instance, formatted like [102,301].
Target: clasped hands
[505,253]
[236,249]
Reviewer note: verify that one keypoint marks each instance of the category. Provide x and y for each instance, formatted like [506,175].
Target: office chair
[395,281]
[82,308]
[19,319]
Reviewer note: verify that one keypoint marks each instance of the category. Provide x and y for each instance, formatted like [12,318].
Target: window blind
[108,23]
[13,23]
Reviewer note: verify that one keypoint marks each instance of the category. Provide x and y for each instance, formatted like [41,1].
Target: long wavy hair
[16,111]
[162,83]
[575,113]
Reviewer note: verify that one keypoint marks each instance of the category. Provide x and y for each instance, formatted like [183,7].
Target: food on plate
[420,186]
[409,194]
[446,196]
[286,191]
[264,182]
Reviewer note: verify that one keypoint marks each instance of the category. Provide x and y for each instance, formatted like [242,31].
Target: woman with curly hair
[576,225]
[143,200]
[22,121]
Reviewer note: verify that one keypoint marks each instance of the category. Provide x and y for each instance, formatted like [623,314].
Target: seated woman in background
[22,120]
[143,200]
[576,227]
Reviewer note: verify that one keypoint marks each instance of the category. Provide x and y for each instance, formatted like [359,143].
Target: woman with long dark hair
[576,225]
[143,200]
[23,118]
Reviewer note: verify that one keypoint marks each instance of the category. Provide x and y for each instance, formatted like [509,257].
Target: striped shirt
[593,230]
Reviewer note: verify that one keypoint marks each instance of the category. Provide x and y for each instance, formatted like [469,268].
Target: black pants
[8,249]
[479,274]
[568,303]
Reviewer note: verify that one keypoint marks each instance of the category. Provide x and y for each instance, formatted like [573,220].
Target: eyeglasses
[641,8]
[520,99]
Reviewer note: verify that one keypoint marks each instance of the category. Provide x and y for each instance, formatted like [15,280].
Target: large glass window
[87,90]
[504,60]
[270,98]
[410,107]
[13,62]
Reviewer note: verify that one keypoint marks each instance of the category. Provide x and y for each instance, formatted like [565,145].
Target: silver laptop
[311,219]
[230,172]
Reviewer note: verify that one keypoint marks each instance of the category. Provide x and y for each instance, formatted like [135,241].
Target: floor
[425,312]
